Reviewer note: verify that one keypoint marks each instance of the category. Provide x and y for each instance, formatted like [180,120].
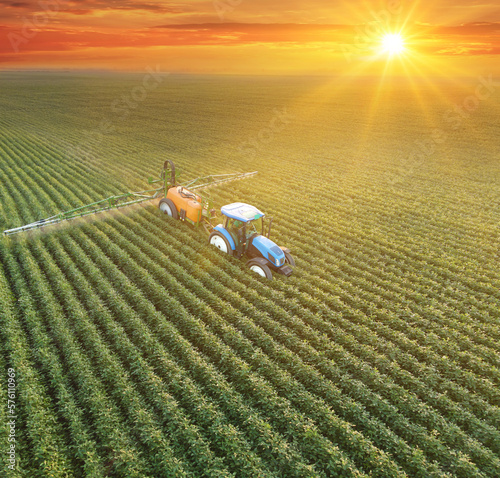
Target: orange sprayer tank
[186,200]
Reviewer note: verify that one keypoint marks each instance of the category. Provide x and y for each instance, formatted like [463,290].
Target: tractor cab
[242,221]
[243,234]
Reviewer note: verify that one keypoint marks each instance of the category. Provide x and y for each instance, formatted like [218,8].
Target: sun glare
[393,44]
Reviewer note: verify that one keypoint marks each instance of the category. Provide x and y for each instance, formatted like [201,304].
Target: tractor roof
[241,212]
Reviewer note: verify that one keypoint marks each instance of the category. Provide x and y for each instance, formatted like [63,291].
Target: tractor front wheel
[260,269]
[168,207]
[220,242]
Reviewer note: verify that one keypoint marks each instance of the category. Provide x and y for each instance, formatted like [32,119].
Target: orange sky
[250,36]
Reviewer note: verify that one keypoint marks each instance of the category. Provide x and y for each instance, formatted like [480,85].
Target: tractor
[243,232]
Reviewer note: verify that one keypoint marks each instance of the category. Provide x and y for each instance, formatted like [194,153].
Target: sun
[393,44]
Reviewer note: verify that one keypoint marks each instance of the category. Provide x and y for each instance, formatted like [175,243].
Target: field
[138,350]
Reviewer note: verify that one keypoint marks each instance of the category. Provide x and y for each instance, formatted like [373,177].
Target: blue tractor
[243,235]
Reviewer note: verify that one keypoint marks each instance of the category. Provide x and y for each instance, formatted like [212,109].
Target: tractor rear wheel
[260,269]
[289,259]
[168,207]
[219,241]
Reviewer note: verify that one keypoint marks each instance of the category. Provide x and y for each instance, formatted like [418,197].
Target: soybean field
[139,350]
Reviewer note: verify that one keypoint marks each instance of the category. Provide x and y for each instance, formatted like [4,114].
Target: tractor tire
[168,207]
[260,269]
[289,259]
[220,242]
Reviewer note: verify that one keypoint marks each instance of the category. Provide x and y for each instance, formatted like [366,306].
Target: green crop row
[140,324]
[190,325]
[142,351]
[43,449]
[230,317]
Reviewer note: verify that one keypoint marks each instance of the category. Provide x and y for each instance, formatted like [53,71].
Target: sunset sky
[252,36]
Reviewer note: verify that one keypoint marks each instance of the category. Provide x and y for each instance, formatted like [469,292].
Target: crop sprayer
[244,232]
